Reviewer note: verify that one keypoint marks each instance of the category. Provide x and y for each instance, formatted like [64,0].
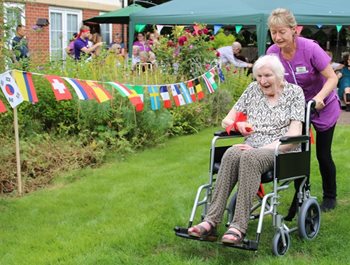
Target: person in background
[135,59]
[228,55]
[116,49]
[336,66]
[118,40]
[81,43]
[274,108]
[153,40]
[20,47]
[308,65]
[142,43]
[344,82]
[70,48]
[96,38]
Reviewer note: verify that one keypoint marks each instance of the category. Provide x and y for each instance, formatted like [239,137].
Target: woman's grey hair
[271,61]
[281,17]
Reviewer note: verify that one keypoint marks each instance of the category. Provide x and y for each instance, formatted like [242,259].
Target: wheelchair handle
[294,139]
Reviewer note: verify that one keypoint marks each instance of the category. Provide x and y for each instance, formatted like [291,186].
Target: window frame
[65,38]
[110,30]
[7,5]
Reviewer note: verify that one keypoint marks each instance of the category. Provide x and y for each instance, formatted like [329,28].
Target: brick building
[63,18]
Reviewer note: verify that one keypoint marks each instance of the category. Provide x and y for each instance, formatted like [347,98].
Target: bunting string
[18,86]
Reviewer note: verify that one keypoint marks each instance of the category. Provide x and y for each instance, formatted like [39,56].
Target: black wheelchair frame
[288,168]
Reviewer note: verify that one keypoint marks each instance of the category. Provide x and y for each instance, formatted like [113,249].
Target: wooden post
[18,158]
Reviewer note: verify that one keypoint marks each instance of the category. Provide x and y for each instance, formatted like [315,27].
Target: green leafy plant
[186,53]
[221,39]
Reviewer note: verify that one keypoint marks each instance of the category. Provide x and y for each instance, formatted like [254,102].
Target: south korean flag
[10,89]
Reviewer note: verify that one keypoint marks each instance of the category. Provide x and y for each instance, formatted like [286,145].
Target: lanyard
[294,77]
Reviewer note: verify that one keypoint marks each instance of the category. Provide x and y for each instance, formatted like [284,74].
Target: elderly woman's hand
[243,146]
[245,128]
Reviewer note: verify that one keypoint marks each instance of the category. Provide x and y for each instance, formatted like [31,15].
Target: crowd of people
[90,45]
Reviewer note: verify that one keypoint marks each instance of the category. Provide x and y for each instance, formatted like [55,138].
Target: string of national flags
[18,86]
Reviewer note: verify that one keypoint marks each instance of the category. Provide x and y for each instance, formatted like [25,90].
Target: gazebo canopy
[243,12]
[119,16]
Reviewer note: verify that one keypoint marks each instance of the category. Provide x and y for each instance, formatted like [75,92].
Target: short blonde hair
[84,27]
[271,61]
[281,17]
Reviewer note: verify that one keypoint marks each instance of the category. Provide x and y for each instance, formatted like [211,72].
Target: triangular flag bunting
[154,96]
[220,74]
[210,82]
[26,86]
[2,107]
[139,27]
[199,90]
[83,91]
[10,89]
[131,94]
[138,90]
[164,93]
[339,27]
[238,28]
[191,90]
[178,98]
[159,28]
[59,88]
[217,28]
[100,93]
[185,93]
[299,29]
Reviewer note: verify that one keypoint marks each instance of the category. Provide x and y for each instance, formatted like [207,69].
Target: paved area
[344,117]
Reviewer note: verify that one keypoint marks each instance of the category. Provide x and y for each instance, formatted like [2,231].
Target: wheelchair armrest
[224,133]
[294,139]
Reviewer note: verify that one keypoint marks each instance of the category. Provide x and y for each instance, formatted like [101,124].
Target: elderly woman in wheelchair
[273,108]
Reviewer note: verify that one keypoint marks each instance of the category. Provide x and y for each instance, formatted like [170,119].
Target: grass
[125,211]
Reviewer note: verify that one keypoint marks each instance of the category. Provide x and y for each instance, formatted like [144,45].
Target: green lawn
[125,211]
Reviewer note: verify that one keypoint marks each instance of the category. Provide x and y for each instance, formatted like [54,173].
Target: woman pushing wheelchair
[273,108]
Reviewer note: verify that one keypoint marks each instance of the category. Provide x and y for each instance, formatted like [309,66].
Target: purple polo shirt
[144,47]
[79,43]
[305,70]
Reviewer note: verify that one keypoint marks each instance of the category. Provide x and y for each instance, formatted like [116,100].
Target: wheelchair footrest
[183,232]
[246,244]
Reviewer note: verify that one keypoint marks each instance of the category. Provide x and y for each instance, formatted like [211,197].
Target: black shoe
[328,204]
[347,108]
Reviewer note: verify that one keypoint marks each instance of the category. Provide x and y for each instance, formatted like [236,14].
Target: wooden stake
[18,158]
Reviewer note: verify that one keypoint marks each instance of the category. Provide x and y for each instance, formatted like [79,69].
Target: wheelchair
[293,167]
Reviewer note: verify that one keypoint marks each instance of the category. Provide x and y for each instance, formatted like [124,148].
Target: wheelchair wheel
[309,219]
[278,248]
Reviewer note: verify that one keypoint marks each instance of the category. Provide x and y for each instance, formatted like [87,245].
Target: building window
[106,32]
[63,23]
[13,15]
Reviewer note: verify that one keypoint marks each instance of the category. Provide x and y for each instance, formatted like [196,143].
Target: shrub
[186,53]
[221,39]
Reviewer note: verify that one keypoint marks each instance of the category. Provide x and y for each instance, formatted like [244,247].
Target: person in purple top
[81,43]
[308,65]
[142,43]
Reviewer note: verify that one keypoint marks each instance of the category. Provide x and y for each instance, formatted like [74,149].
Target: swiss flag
[58,87]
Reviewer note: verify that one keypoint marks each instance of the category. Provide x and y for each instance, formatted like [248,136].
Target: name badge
[301,69]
